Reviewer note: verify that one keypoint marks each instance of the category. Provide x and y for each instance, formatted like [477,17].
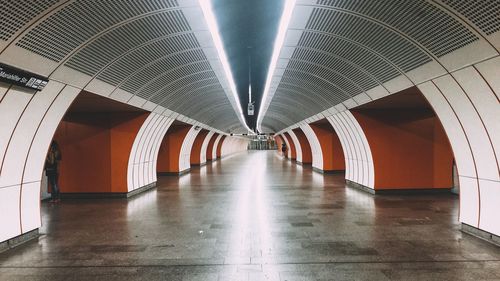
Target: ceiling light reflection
[278,43]
[206,7]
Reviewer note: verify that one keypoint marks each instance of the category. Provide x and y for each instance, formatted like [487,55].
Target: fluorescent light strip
[206,7]
[278,43]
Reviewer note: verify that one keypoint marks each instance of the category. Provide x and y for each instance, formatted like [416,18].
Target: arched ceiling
[343,53]
[154,54]
[248,30]
[160,55]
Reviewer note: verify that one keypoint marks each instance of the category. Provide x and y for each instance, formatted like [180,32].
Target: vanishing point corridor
[254,216]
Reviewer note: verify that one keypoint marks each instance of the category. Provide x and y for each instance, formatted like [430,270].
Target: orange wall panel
[293,152]
[331,148]
[170,148]
[196,148]
[304,146]
[124,129]
[219,147]
[279,142]
[409,147]
[210,147]
[95,151]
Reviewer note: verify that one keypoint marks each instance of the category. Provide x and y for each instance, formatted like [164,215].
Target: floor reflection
[254,216]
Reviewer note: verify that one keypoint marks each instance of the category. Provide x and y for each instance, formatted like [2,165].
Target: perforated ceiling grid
[318,85]
[327,75]
[182,86]
[294,97]
[349,47]
[138,58]
[145,47]
[324,45]
[378,38]
[333,62]
[14,14]
[191,102]
[170,80]
[483,13]
[215,113]
[433,28]
[164,66]
[176,77]
[120,40]
[189,94]
[68,28]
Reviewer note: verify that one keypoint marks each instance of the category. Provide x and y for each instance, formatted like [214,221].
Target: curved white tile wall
[298,149]
[214,150]
[466,101]
[143,157]
[28,122]
[187,144]
[358,157]
[204,146]
[317,153]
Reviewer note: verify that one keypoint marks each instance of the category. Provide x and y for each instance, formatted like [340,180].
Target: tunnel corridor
[133,137]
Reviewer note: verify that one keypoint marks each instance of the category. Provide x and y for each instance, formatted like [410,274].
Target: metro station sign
[15,76]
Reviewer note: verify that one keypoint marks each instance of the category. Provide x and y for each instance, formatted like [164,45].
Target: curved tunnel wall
[218,147]
[409,147]
[331,148]
[197,148]
[171,149]
[204,147]
[96,149]
[215,146]
[314,146]
[187,144]
[210,147]
[144,155]
[357,152]
[304,154]
[292,152]
[28,123]
[467,103]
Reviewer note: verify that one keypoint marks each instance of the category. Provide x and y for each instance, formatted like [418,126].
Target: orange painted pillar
[304,146]
[195,159]
[219,147]
[331,148]
[95,150]
[210,147]
[409,147]
[170,148]
[293,152]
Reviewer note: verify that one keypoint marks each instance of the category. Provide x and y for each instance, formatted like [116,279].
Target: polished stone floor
[253,216]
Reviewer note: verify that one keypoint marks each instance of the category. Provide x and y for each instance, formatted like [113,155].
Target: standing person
[51,170]
[283,149]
